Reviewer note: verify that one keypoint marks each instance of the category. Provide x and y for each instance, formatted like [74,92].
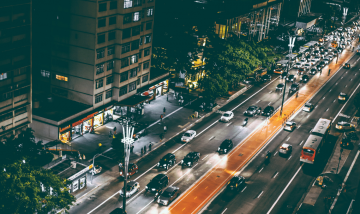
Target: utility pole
[291,45]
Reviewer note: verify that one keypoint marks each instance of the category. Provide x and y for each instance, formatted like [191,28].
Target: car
[190,159]
[168,195]
[298,65]
[340,50]
[335,52]
[313,61]
[280,87]
[313,71]
[235,183]
[322,54]
[285,149]
[252,111]
[308,107]
[284,75]
[303,61]
[307,66]
[347,66]
[319,67]
[351,135]
[317,58]
[131,188]
[290,126]
[118,211]
[308,57]
[321,48]
[304,78]
[342,97]
[167,161]
[291,78]
[326,51]
[96,170]
[294,87]
[268,110]
[250,80]
[227,116]
[300,71]
[266,77]
[225,146]
[322,64]
[326,60]
[343,125]
[330,56]
[316,53]
[188,136]
[158,183]
[132,169]
[345,142]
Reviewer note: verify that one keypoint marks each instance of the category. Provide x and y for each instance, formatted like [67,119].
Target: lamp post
[291,45]
[128,132]
[93,167]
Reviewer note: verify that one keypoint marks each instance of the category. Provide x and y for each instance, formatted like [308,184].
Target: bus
[315,141]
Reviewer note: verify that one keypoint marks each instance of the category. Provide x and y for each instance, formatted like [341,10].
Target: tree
[214,87]
[29,189]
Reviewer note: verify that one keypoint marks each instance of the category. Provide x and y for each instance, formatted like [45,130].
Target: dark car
[268,110]
[236,183]
[158,183]
[169,194]
[346,142]
[132,169]
[319,67]
[280,87]
[342,97]
[250,80]
[190,159]
[304,78]
[266,77]
[225,146]
[347,65]
[291,78]
[322,64]
[284,75]
[313,71]
[118,211]
[294,87]
[167,161]
[252,111]
[300,71]
[344,126]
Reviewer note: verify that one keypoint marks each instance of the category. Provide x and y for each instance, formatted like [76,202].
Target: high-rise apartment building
[15,67]
[88,55]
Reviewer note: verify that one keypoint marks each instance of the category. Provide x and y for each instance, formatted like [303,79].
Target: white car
[227,116]
[313,61]
[298,65]
[285,149]
[330,56]
[303,61]
[290,126]
[307,66]
[326,60]
[131,188]
[317,58]
[188,136]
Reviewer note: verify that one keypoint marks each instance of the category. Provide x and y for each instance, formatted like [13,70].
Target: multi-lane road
[271,180]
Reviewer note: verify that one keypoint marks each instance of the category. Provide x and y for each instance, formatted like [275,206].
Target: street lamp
[128,132]
[291,45]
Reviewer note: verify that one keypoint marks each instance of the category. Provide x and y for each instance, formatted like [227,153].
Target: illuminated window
[136,16]
[149,11]
[147,39]
[62,78]
[3,76]
[133,59]
[44,73]
[127,4]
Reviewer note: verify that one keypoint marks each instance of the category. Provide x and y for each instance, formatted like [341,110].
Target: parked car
[252,111]
[131,188]
[227,116]
[326,60]
[280,87]
[236,183]
[304,78]
[190,159]
[169,195]
[298,65]
[317,58]
[167,161]
[225,146]
[313,61]
[188,136]
[308,107]
[290,126]
[268,110]
[156,184]
[300,71]
[285,149]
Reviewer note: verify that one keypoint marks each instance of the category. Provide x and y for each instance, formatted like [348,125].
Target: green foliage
[214,87]
[21,191]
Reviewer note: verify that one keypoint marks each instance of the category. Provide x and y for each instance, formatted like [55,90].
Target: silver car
[188,136]
[131,188]
[290,126]
[285,149]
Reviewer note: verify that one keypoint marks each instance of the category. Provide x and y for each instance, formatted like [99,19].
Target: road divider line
[224,211]
[243,189]
[276,173]
[204,157]
[261,169]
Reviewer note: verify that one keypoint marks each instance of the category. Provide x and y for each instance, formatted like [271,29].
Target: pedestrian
[164,110]
[165,129]
[110,134]
[329,72]
[297,94]
[83,156]
[353,49]
[320,71]
[144,149]
[161,136]
[131,148]
[150,146]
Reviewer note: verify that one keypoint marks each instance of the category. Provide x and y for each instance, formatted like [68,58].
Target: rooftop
[64,169]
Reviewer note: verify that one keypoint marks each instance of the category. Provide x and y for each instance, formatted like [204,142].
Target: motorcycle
[245,121]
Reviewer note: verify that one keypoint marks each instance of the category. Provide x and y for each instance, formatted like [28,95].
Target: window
[136,17]
[101,23]
[133,72]
[136,3]
[111,50]
[98,98]
[145,78]
[101,38]
[123,90]
[100,54]
[20,111]
[21,91]
[6,116]
[148,26]
[132,86]
[113,5]
[44,73]
[140,53]
[147,39]
[102,7]
[7,95]
[149,11]
[147,52]
[108,94]
[136,30]
[125,48]
[110,65]
[127,4]
[141,27]
[141,40]
[124,62]
[133,59]
[62,78]
[135,45]
[112,20]
[99,83]
[111,36]
[138,81]
[150,0]
[127,18]
[146,65]
[126,33]
[100,68]
[109,80]
[124,76]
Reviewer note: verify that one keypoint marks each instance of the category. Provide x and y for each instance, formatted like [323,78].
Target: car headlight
[164,165]
[219,149]
[158,164]
[182,161]
[301,78]
[146,187]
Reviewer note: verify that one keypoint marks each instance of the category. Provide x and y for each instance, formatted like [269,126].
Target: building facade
[93,52]
[15,67]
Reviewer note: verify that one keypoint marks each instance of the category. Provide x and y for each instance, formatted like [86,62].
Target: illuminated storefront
[87,125]
[64,134]
[98,119]
[76,129]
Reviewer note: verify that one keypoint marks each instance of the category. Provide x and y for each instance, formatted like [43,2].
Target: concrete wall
[43,130]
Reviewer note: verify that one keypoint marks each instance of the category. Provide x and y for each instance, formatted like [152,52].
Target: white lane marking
[342,186]
[212,138]
[145,207]
[299,126]
[272,207]
[341,77]
[275,153]
[345,86]
[276,174]
[327,109]
[323,97]
[288,139]
[301,142]
[258,101]
[336,83]
[184,174]
[156,122]
[289,157]
[334,101]
[316,106]
[206,128]
[270,92]
[260,194]
[261,169]
[179,148]
[243,189]
[129,201]
[224,211]
[351,79]
[308,116]
[269,103]
[330,90]
[229,124]
[169,170]
[346,103]
[204,157]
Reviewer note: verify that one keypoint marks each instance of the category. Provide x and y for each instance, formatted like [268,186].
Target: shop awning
[132,101]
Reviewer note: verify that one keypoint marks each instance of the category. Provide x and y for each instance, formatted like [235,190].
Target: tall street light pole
[128,133]
[291,45]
